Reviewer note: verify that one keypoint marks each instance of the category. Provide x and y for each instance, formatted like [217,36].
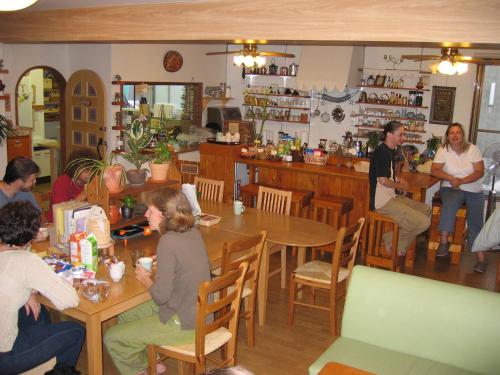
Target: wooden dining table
[128,292]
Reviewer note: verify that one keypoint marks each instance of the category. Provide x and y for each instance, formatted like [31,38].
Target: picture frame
[442,105]
[380,80]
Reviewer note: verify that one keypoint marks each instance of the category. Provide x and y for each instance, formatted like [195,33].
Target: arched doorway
[40,107]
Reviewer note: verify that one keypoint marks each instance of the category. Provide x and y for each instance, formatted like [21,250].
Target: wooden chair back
[210,190]
[225,314]
[274,200]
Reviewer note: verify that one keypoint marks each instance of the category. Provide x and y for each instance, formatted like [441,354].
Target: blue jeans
[452,200]
[38,341]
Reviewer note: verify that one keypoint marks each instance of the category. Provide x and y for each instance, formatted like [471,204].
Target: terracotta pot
[159,172]
[136,177]
[114,214]
[112,178]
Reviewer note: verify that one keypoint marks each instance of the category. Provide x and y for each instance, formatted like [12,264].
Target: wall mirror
[179,102]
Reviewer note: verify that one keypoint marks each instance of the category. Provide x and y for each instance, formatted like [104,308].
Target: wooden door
[85,127]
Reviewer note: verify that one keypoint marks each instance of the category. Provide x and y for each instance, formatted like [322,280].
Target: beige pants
[412,218]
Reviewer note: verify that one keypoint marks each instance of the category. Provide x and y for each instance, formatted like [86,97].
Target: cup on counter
[146,263]
[238,207]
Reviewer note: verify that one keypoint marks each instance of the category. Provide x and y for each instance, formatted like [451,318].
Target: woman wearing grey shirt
[182,264]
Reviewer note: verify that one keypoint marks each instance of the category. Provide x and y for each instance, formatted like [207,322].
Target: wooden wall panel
[474,23]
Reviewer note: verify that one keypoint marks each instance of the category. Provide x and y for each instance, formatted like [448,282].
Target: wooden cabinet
[19,145]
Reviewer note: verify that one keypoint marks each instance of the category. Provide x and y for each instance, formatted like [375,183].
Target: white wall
[3,146]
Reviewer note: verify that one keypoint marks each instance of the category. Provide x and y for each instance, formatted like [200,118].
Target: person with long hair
[68,187]
[411,216]
[182,265]
[460,167]
[27,338]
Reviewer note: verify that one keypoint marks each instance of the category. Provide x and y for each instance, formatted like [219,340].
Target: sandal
[443,250]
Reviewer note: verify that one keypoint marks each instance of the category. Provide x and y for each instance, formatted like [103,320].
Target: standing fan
[492,167]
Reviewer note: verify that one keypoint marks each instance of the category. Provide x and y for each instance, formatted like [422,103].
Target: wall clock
[172,61]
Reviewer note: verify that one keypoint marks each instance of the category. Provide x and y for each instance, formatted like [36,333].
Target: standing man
[20,177]
[411,216]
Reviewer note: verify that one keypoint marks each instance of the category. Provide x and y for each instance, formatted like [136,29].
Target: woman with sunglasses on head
[460,167]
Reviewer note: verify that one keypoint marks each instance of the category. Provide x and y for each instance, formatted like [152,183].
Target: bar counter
[329,179]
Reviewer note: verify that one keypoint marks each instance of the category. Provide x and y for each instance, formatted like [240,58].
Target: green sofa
[400,324]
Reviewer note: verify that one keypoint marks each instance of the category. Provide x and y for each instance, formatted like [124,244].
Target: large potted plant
[138,138]
[160,163]
[113,175]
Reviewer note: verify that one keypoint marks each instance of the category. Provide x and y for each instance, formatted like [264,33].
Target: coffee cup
[116,271]
[238,207]
[146,263]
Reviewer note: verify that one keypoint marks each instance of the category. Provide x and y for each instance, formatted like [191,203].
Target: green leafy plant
[264,115]
[6,129]
[162,154]
[373,139]
[95,167]
[128,201]
[138,138]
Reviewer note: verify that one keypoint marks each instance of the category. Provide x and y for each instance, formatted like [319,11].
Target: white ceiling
[42,5]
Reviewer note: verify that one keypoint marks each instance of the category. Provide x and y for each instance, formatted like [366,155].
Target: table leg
[301,258]
[263,283]
[94,345]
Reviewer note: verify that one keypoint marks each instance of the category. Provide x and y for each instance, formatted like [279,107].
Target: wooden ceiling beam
[424,22]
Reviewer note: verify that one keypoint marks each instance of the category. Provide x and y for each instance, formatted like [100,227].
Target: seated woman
[27,338]
[170,317]
[68,188]
[459,164]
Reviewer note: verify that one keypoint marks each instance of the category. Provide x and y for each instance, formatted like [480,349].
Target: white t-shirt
[460,166]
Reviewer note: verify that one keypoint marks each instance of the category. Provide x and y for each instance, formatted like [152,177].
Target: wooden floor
[281,349]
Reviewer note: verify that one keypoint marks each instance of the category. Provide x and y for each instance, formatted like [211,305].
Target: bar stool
[301,199]
[457,239]
[376,253]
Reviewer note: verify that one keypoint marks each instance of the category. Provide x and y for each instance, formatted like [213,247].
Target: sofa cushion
[451,324]
[381,361]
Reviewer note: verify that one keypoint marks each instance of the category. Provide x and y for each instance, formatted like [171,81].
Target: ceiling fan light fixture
[10,5]
[249,61]
[238,60]
[446,67]
[260,61]
[461,67]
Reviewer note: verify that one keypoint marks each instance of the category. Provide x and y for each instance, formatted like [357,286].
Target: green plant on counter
[96,168]
[128,201]
[139,137]
[162,154]
[264,115]
[373,139]
[6,129]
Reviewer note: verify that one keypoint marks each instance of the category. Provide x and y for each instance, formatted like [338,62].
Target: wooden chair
[246,249]
[325,276]
[210,336]
[376,253]
[278,201]
[210,190]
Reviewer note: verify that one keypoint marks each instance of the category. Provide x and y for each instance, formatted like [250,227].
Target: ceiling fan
[249,55]
[451,61]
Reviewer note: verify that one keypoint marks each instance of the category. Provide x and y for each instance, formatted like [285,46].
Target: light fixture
[249,57]
[461,67]
[448,67]
[10,5]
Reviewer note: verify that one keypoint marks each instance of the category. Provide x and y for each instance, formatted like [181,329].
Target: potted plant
[127,208]
[160,163]
[373,141]
[6,129]
[113,175]
[138,138]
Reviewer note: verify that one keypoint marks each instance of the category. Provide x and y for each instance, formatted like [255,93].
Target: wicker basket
[318,160]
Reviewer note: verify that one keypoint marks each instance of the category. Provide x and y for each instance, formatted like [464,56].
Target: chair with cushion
[246,249]
[277,201]
[210,190]
[210,335]
[332,277]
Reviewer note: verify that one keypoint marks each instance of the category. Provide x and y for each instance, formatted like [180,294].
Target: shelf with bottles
[271,75]
[279,95]
[280,120]
[392,88]
[280,106]
[380,128]
[393,105]
[391,118]
[363,135]
[395,70]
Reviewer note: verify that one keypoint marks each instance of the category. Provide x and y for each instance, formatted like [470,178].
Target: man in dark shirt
[411,216]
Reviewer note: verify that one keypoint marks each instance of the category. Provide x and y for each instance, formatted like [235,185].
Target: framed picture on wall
[442,104]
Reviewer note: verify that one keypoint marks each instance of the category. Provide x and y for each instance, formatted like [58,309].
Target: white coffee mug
[238,207]
[116,271]
[146,263]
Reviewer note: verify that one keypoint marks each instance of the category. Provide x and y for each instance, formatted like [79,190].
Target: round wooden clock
[172,61]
